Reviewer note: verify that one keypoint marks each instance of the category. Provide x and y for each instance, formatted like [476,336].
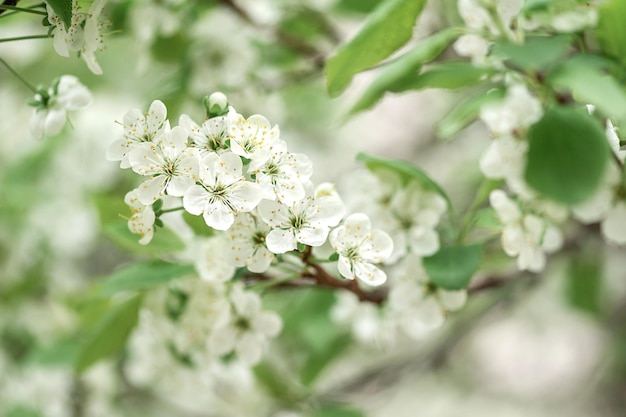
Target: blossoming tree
[186,256]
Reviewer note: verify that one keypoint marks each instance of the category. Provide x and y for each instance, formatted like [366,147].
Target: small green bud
[216,104]
[334,257]
[301,247]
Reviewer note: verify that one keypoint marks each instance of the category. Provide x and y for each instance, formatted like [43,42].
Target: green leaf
[61,353]
[535,54]
[63,9]
[611,31]
[583,288]
[466,112]
[144,276]
[164,240]
[585,76]
[397,75]
[453,267]
[22,411]
[449,75]
[356,6]
[407,172]
[567,155]
[198,224]
[317,361]
[387,28]
[109,334]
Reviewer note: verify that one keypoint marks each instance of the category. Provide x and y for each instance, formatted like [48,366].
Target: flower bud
[216,104]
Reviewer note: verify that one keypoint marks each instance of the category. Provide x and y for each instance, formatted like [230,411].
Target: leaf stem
[22,38]
[19,77]
[171,210]
[22,9]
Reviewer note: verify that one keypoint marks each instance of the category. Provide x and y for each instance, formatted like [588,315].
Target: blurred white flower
[142,220]
[418,306]
[518,111]
[51,106]
[472,46]
[245,327]
[505,158]
[223,191]
[527,236]
[359,248]
[413,216]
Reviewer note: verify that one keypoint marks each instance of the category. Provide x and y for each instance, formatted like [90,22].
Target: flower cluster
[257,198]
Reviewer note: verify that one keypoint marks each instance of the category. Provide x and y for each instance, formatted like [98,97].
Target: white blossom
[516,112]
[223,191]
[245,328]
[472,46]
[246,244]
[283,175]
[211,136]
[171,165]
[142,220]
[252,138]
[307,221]
[52,106]
[139,128]
[505,159]
[414,215]
[83,34]
[418,306]
[212,261]
[527,236]
[359,248]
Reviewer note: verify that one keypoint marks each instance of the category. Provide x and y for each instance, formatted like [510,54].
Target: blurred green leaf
[109,334]
[22,411]
[164,240]
[63,9]
[567,155]
[197,224]
[356,6]
[587,79]
[407,172]
[399,74]
[142,276]
[453,267]
[536,53]
[611,31]
[61,353]
[317,361]
[336,410]
[387,28]
[466,112]
[583,287]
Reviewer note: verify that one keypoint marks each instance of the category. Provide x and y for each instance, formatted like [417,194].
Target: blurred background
[546,345]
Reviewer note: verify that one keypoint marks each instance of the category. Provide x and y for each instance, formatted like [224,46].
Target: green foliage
[63,353]
[584,285]
[535,54]
[142,276]
[399,74]
[63,9]
[466,112]
[567,155]
[453,267]
[356,6]
[387,28]
[197,224]
[611,31]
[22,411]
[405,170]
[109,333]
[336,410]
[585,76]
